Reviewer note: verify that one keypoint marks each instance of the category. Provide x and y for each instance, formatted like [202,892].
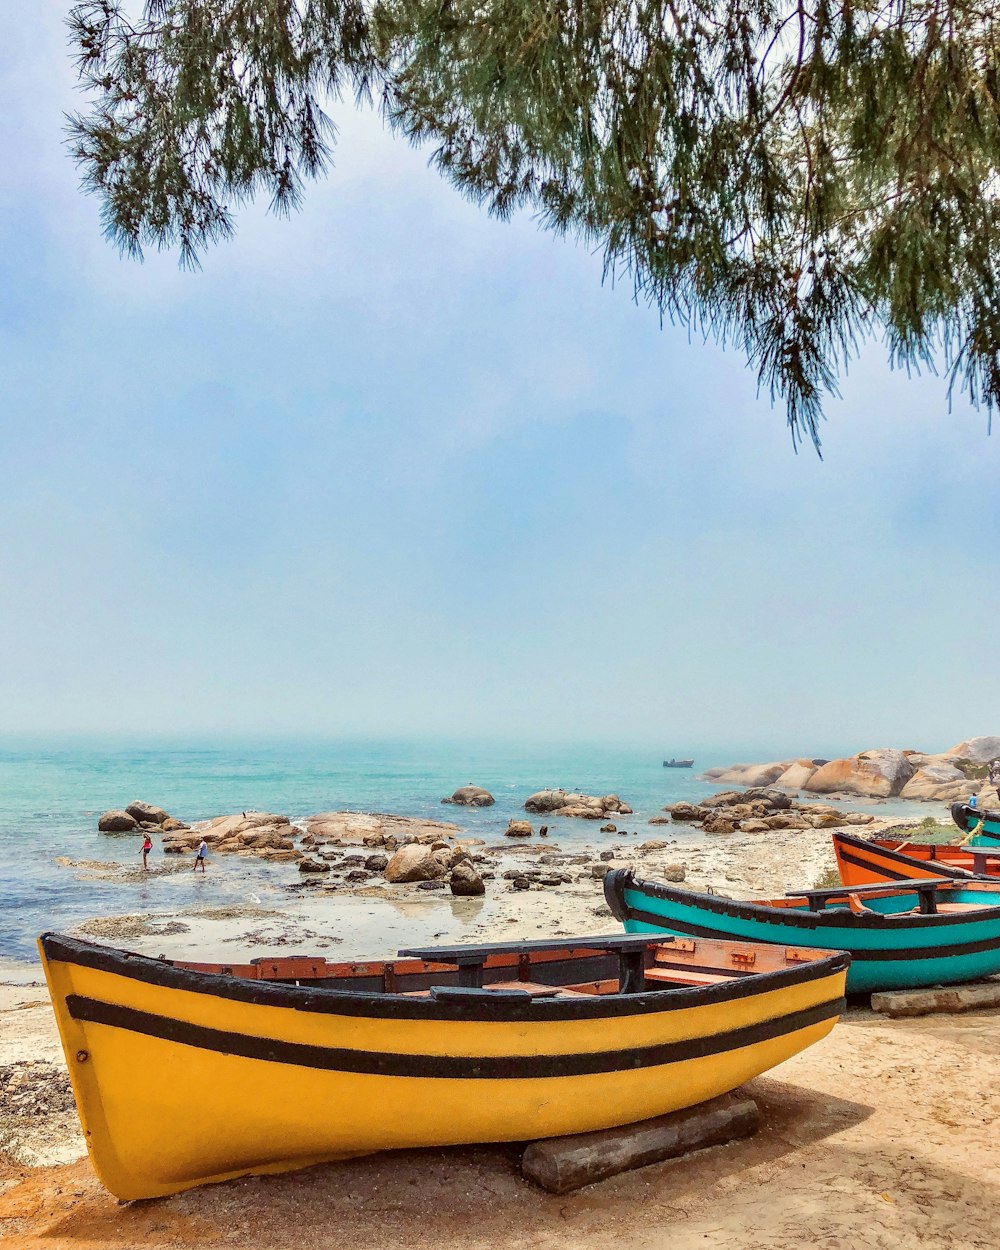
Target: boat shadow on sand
[446,1191]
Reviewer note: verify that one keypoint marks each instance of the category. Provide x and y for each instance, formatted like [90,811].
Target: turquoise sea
[51,797]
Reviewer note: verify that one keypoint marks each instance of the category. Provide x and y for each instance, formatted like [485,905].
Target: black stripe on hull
[942,869]
[442,1067]
[890,873]
[485,1006]
[940,951]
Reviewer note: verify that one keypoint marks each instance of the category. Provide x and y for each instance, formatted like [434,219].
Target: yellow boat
[186,1074]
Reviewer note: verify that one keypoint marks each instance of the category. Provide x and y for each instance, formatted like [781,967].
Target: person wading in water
[147,846]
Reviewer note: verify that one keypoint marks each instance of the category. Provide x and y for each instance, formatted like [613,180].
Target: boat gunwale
[59,948]
[941,867]
[621,879]
[973,816]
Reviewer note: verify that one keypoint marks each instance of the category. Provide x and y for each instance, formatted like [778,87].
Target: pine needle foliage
[793,176]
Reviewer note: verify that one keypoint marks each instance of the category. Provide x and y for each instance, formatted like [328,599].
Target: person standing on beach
[200,857]
[147,846]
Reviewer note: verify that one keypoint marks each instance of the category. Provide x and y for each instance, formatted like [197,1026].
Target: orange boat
[878,860]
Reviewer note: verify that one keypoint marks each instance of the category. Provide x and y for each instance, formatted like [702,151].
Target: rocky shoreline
[535,888]
[884,772]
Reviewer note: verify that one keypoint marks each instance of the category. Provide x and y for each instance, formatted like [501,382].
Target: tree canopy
[794,176]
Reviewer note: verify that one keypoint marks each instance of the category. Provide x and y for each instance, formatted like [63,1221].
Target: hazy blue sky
[393,467]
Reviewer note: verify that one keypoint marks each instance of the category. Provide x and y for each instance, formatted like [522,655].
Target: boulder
[375,828]
[312,865]
[941,782]
[175,848]
[979,750]
[117,822]
[146,811]
[518,829]
[754,826]
[414,862]
[872,774]
[471,796]
[222,827]
[748,774]
[286,856]
[609,828]
[377,863]
[786,820]
[795,775]
[762,774]
[652,845]
[171,825]
[776,800]
[683,812]
[659,820]
[720,824]
[673,872]
[579,806]
[546,800]
[725,798]
[465,880]
[822,820]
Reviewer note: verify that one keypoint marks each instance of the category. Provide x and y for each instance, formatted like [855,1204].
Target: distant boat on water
[677,763]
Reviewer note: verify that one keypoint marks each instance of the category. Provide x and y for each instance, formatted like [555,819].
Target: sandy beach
[886,1125]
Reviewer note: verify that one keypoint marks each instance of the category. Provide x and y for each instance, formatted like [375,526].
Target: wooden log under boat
[905,935]
[189,1074]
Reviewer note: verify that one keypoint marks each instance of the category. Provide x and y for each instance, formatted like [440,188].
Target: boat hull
[869,862]
[182,1078]
[887,952]
[983,824]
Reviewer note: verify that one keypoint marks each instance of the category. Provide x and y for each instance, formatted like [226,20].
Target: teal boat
[905,935]
[983,824]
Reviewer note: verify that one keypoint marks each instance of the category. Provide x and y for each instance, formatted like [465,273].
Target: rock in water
[471,796]
[465,880]
[579,806]
[312,865]
[117,822]
[147,812]
[415,862]
[518,829]
[683,812]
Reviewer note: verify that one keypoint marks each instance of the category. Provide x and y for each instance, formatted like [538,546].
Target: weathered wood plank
[976,995]
[560,1164]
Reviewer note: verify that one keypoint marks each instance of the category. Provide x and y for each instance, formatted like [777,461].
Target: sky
[391,467]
